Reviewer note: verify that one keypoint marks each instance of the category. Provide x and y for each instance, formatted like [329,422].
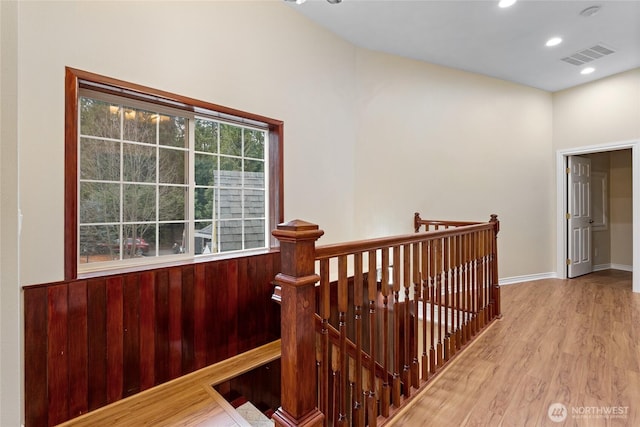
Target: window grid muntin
[218,220]
[123,105]
[158,110]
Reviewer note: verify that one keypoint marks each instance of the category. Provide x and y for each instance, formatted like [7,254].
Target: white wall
[602,112]
[10,297]
[454,145]
[621,203]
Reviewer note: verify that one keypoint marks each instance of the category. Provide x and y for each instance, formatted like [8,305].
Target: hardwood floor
[187,401]
[571,342]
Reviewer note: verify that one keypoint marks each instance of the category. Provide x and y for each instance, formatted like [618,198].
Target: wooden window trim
[73,79]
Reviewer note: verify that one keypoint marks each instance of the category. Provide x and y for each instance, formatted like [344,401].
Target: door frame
[561,202]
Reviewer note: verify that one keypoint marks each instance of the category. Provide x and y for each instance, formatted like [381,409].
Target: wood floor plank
[574,342]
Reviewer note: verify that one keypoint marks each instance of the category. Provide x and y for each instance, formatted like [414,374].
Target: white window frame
[91,269]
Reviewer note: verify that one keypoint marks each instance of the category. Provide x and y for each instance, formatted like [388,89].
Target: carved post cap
[494,219]
[297,229]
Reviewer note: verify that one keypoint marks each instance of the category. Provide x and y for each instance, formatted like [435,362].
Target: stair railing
[386,316]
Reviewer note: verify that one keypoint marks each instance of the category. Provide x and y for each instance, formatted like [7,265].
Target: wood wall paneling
[97,342]
[147,330]
[92,342]
[35,357]
[78,354]
[57,352]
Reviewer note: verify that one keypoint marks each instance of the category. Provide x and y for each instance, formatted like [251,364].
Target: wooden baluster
[469,286]
[452,298]
[372,407]
[446,272]
[336,389]
[425,297]
[459,292]
[494,266]
[406,368]
[474,285]
[417,288]
[479,279]
[456,293]
[396,386]
[439,291]
[465,288]
[325,314]
[485,273]
[487,278]
[343,367]
[297,280]
[432,303]
[358,297]
[385,395]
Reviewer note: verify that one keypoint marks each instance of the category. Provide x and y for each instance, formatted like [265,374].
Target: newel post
[494,268]
[297,279]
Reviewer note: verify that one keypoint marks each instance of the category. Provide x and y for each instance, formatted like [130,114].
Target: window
[163,178]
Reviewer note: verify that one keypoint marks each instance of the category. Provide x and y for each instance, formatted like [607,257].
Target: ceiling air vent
[588,55]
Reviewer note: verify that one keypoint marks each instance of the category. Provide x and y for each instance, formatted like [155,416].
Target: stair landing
[186,401]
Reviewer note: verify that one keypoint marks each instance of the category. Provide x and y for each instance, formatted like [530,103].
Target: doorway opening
[624,153]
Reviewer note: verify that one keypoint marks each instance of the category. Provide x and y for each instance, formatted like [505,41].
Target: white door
[579,216]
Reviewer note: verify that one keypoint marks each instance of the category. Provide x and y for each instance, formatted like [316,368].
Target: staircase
[251,413]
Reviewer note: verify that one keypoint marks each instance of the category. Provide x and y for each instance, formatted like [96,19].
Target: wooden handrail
[404,307]
[340,249]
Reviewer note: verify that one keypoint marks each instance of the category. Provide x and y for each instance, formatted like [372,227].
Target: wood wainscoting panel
[92,342]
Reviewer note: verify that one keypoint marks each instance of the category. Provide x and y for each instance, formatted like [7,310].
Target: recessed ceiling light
[587,70]
[554,41]
[506,3]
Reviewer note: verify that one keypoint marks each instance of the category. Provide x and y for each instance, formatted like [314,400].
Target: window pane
[254,174]
[206,136]
[230,236]
[230,172]
[254,144]
[99,202]
[230,139]
[173,238]
[98,243]
[206,168]
[139,163]
[254,206]
[135,174]
[254,234]
[99,160]
[254,166]
[139,203]
[172,166]
[139,125]
[203,201]
[99,118]
[172,203]
[139,240]
[230,203]
[173,131]
[204,238]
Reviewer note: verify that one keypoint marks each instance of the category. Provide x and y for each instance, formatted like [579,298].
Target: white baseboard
[613,267]
[526,278]
[552,275]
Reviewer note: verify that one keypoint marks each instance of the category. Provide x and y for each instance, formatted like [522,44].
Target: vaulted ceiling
[506,43]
